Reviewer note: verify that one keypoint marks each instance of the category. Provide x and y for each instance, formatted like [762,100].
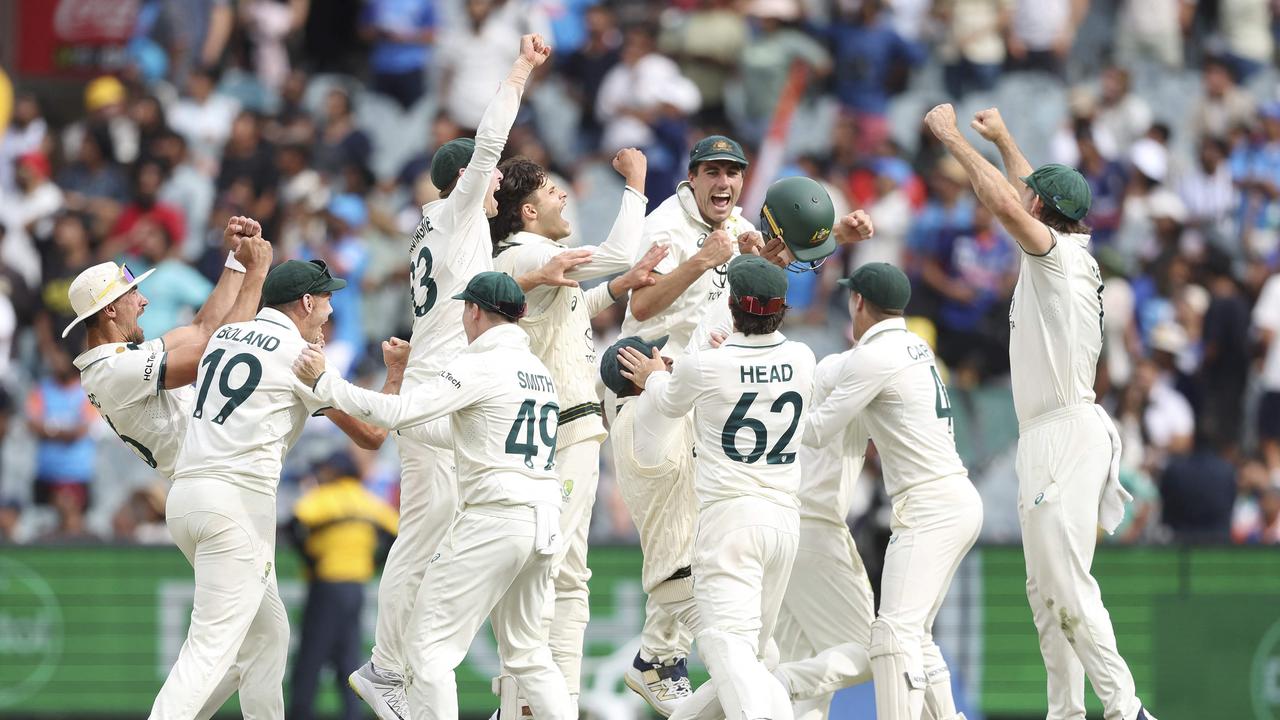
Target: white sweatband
[234,264]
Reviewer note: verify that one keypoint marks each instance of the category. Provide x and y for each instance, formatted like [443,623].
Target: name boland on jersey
[891,383]
[1055,328]
[249,406]
[451,245]
[748,399]
[125,382]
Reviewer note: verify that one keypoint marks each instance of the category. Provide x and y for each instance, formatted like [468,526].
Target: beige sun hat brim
[105,301]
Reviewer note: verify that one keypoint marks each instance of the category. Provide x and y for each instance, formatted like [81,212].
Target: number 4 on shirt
[941,400]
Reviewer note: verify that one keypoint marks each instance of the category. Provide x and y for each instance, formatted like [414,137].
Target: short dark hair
[1050,216]
[492,315]
[748,324]
[880,313]
[521,177]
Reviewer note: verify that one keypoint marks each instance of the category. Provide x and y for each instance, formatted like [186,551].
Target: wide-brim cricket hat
[98,287]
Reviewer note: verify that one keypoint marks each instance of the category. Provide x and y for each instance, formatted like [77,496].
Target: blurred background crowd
[319,119]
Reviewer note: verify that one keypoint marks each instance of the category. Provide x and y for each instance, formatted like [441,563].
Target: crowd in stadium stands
[277,110]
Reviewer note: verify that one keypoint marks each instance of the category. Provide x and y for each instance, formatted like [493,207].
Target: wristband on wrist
[234,264]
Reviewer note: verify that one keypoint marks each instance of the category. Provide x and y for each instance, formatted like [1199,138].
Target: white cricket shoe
[664,687]
[382,690]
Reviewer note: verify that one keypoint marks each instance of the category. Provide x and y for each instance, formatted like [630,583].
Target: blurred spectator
[948,211]
[442,131]
[870,59]
[1256,516]
[1246,29]
[148,178]
[1122,115]
[1168,421]
[188,190]
[891,212]
[1152,29]
[69,254]
[203,116]
[1120,333]
[10,517]
[637,92]
[330,41]
[1142,515]
[1266,326]
[25,134]
[269,22]
[348,257]
[194,32]
[105,105]
[341,530]
[1224,365]
[12,315]
[1209,195]
[174,289]
[1042,33]
[248,157]
[1152,216]
[474,59]
[972,270]
[148,116]
[140,518]
[28,215]
[1256,168]
[972,49]
[60,417]
[341,143]
[776,45]
[93,183]
[1197,492]
[1223,105]
[401,33]
[709,44]
[584,71]
[1107,184]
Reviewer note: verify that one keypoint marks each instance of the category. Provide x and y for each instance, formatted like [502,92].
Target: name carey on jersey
[249,337]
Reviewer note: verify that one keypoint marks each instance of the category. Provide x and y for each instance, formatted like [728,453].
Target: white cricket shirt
[831,470]
[748,398]
[678,223]
[1055,328]
[249,406]
[503,410]
[891,381]
[125,382]
[452,245]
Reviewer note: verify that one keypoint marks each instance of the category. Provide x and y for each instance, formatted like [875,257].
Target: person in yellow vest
[342,530]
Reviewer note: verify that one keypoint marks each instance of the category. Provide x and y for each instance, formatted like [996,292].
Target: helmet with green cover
[800,212]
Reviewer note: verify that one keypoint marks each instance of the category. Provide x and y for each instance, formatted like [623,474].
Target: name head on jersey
[449,161]
[101,285]
[1062,188]
[611,371]
[757,286]
[799,211]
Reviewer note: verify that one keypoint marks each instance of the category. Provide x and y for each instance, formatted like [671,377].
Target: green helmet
[799,210]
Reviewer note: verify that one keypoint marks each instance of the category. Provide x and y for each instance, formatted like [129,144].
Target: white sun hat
[98,287]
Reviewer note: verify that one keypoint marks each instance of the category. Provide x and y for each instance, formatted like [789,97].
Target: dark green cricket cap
[611,371]
[449,159]
[292,279]
[1061,188]
[496,292]
[881,284]
[717,147]
[757,286]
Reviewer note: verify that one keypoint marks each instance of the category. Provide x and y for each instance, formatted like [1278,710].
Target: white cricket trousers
[428,503]
[934,525]
[743,554]
[239,633]
[1063,461]
[828,603]
[566,619]
[486,567]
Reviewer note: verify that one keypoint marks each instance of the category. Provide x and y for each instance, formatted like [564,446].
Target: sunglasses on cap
[126,276]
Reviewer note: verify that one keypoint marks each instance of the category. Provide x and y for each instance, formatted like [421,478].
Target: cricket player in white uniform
[496,557]
[526,234]
[890,380]
[249,410]
[450,246]
[747,397]
[1068,448]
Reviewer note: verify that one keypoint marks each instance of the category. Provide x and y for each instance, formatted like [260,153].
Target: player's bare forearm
[1015,163]
[364,435]
[998,196]
[649,301]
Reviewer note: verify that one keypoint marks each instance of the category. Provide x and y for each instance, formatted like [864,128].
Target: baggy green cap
[717,147]
[497,292]
[799,210]
[1061,188]
[611,371]
[449,159]
[292,279]
[757,286]
[880,284]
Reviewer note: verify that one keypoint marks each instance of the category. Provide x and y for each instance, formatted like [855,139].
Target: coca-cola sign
[94,20]
[73,37]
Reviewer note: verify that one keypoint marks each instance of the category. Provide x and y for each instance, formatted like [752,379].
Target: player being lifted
[747,397]
[526,234]
[1067,484]
[496,557]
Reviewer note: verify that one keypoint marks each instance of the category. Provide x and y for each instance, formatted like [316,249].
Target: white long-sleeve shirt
[503,411]
[890,380]
[451,245]
[831,470]
[748,397]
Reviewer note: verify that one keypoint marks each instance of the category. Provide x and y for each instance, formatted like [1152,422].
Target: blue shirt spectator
[60,416]
[867,54]
[402,32]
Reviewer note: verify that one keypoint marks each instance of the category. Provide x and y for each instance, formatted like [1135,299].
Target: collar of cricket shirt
[275,317]
[505,335]
[737,339]
[887,325]
[104,351]
[524,237]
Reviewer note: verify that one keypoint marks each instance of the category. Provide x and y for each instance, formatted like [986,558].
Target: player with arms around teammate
[890,383]
[142,387]
[249,410]
[1067,478]
[450,245]
[747,397]
[496,557]
[526,234]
